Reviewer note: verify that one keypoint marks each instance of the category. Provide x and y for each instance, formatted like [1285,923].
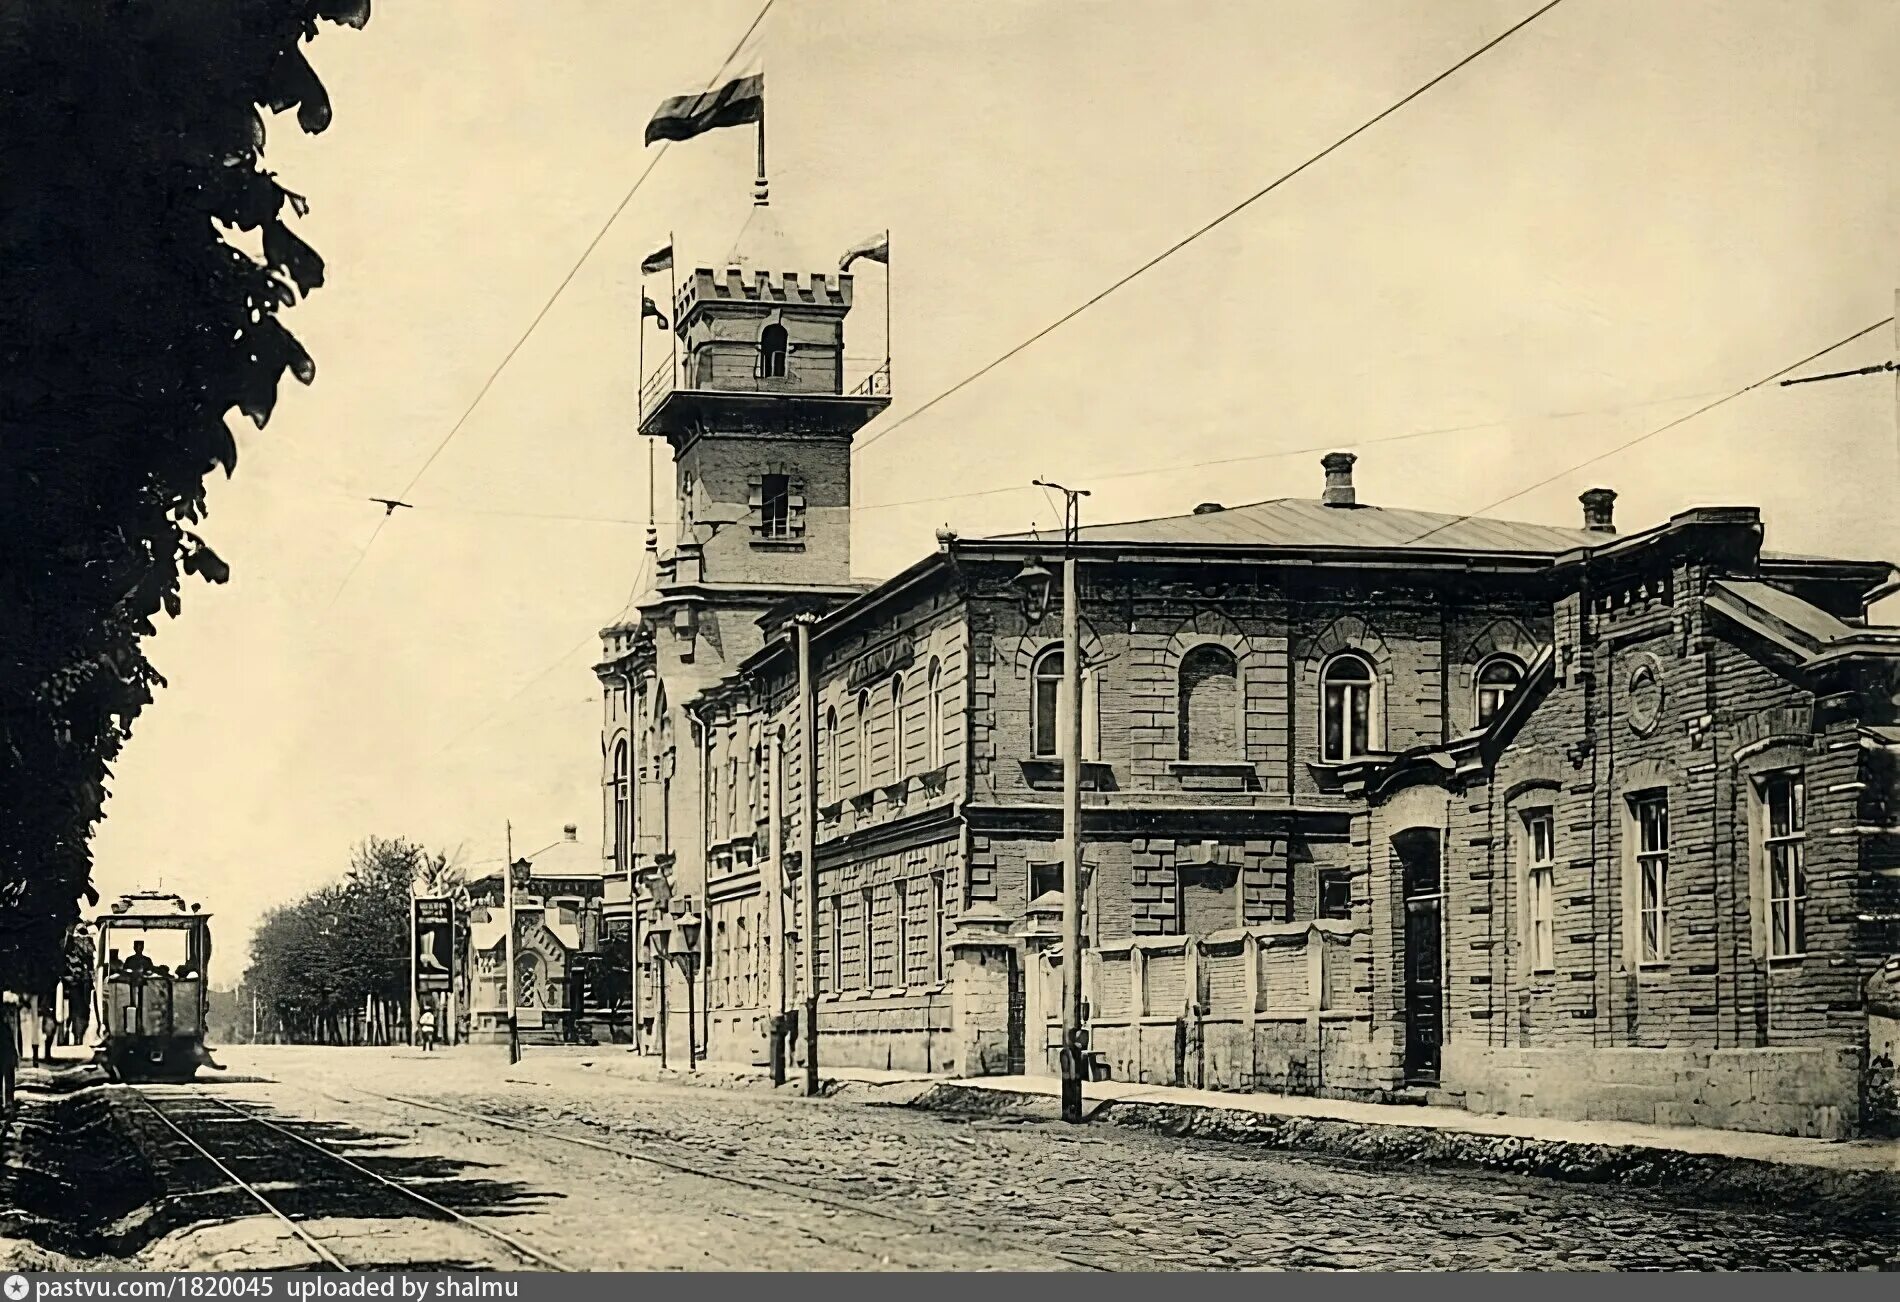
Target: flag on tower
[734,104]
[648,308]
[877,248]
[657,261]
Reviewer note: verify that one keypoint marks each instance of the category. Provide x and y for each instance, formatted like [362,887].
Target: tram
[154,956]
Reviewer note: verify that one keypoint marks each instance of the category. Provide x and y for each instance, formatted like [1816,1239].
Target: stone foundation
[1794,1091]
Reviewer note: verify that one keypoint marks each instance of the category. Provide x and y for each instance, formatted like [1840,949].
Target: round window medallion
[1643,692]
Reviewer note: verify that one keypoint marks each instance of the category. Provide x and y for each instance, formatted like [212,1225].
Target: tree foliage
[316,962]
[132,324]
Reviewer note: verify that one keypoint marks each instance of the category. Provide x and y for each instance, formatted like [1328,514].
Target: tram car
[154,956]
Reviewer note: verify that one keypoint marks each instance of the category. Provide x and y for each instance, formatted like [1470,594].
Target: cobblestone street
[1006,1193]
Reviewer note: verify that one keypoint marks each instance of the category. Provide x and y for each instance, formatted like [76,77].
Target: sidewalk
[1712,1163]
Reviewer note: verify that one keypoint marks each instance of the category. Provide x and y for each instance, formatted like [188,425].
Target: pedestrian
[49,1025]
[426,1027]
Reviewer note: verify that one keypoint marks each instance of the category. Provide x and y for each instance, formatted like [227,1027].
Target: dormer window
[773,346]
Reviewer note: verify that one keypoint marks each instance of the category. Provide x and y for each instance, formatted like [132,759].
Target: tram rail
[782,1188]
[326,1256]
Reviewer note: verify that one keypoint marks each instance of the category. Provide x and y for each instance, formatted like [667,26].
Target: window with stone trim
[623,809]
[897,728]
[900,958]
[1784,828]
[1649,825]
[1349,708]
[1208,698]
[867,916]
[939,906]
[777,501]
[1047,734]
[1335,893]
[863,739]
[1496,681]
[1537,879]
[933,715]
[828,758]
[835,917]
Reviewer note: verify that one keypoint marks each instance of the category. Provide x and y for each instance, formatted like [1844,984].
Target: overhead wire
[1196,234]
[1144,472]
[547,306]
[1627,444]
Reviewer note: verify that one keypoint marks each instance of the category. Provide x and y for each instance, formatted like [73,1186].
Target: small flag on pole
[648,308]
[657,261]
[734,104]
[877,249]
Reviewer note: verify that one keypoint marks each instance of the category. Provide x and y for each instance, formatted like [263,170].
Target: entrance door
[1419,859]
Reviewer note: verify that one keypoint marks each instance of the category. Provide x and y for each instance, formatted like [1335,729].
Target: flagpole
[887,305]
[673,284]
[640,359]
[761,192]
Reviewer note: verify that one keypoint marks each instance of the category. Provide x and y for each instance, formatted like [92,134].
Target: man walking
[425,1029]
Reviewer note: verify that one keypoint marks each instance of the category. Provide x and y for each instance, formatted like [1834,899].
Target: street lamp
[516,870]
[686,943]
[1035,582]
[1037,585]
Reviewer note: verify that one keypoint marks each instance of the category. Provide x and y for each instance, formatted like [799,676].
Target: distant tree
[316,963]
[145,254]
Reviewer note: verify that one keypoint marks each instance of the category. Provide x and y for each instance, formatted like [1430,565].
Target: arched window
[863,739]
[623,810]
[829,758]
[1045,704]
[1047,735]
[933,714]
[772,349]
[897,727]
[1348,690]
[1208,718]
[1497,679]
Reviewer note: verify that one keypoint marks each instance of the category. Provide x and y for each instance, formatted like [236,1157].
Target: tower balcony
[820,394]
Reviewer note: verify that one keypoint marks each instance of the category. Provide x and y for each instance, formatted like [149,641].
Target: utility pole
[808,839]
[508,945]
[1069,711]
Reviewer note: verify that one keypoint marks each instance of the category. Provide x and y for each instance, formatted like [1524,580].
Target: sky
[1623,212]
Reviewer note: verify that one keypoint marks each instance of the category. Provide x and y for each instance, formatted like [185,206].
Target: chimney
[570,832]
[1599,507]
[1339,490]
[1208,508]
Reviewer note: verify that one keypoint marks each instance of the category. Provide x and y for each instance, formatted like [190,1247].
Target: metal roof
[1305,522]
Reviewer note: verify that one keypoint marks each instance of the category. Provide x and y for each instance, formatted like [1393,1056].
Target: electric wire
[546,307]
[1222,219]
[1627,444]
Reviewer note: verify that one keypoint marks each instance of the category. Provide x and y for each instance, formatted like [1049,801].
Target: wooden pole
[808,841]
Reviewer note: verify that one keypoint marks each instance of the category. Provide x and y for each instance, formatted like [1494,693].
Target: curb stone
[1714,1177]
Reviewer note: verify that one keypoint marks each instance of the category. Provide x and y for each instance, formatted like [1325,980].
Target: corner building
[1316,856]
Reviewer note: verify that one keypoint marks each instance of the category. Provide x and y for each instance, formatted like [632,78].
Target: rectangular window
[775,506]
[837,943]
[1044,879]
[1538,853]
[1649,813]
[1784,843]
[939,905]
[900,962]
[1335,894]
[866,978]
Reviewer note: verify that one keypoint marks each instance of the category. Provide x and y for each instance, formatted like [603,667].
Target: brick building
[1376,801]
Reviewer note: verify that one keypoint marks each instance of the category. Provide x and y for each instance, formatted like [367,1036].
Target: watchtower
[760,410]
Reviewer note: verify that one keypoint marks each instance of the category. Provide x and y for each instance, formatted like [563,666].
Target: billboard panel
[435,944]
